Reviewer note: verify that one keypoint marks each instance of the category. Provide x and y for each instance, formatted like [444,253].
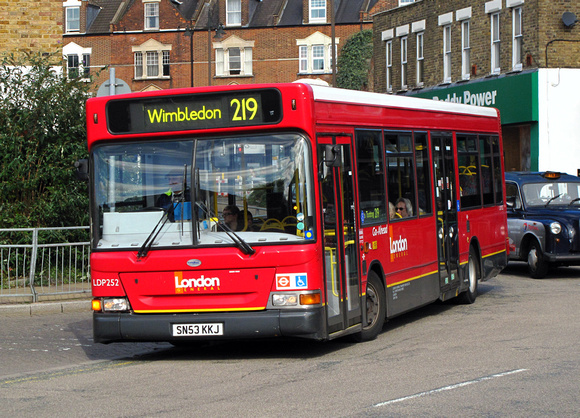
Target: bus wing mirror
[221,157]
[82,169]
[333,156]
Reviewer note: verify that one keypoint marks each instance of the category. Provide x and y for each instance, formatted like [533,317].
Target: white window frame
[318,59]
[151,65]
[405,2]
[306,51]
[404,46]
[234,61]
[233,13]
[447,54]
[495,43]
[223,60]
[152,54]
[166,63]
[465,49]
[151,15]
[420,37]
[517,39]
[138,63]
[73,23]
[83,59]
[317,11]
[303,58]
[389,65]
[330,55]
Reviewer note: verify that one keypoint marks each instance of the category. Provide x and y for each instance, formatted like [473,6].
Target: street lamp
[219,33]
[213,16]
[189,33]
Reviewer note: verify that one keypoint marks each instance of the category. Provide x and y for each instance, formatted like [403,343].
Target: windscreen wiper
[236,239]
[155,232]
[555,197]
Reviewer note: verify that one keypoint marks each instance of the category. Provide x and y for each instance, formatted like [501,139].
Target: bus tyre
[469,296]
[537,266]
[375,302]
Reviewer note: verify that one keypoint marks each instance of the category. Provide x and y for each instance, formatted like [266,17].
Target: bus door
[447,236]
[342,277]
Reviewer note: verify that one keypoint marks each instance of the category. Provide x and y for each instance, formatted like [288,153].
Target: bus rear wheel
[468,297]
[375,302]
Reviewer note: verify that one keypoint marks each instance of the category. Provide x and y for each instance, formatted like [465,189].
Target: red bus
[287,210]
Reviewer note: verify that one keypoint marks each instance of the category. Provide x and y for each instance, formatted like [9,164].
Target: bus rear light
[115,304]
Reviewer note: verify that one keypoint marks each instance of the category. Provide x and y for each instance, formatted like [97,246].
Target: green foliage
[42,135]
[353,65]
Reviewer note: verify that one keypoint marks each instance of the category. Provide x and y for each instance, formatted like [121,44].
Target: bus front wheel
[375,301]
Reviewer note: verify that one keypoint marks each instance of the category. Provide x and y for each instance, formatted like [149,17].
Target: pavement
[45,308]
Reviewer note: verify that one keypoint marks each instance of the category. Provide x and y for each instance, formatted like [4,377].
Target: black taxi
[543,215]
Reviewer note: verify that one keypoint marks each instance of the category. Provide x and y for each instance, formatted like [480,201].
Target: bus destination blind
[192,112]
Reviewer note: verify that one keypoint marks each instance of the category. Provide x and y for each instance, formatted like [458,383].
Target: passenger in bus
[404,207]
[250,221]
[392,211]
[173,193]
[231,215]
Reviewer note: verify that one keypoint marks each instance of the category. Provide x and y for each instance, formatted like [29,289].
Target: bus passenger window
[469,171]
[371,184]
[401,173]
[423,173]
[497,172]
[486,169]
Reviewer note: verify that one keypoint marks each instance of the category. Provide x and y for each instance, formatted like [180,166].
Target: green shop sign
[516,95]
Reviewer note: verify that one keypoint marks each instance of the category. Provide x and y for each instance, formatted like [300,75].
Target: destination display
[194,111]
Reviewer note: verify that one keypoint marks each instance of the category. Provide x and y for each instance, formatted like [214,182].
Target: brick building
[521,56]
[160,44]
[27,26]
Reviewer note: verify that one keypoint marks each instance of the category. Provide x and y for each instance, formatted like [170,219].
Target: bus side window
[423,173]
[469,171]
[497,173]
[371,184]
[400,169]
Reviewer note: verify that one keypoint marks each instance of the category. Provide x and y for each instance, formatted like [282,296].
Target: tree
[354,61]
[42,135]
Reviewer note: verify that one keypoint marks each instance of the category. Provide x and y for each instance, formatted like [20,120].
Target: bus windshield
[204,192]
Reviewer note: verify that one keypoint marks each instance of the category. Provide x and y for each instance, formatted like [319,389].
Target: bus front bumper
[131,327]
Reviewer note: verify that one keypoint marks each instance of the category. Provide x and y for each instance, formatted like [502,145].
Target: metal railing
[44,263]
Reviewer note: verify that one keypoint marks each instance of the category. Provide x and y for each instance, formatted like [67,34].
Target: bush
[43,134]
[353,65]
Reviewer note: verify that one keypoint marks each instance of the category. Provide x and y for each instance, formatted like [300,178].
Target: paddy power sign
[514,95]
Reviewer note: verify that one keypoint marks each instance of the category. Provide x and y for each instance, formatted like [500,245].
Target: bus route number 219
[244,109]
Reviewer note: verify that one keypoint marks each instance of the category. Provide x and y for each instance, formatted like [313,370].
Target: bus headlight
[284,299]
[555,228]
[298,299]
[115,304]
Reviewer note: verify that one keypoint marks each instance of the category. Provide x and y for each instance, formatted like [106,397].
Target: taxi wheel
[537,265]
[375,309]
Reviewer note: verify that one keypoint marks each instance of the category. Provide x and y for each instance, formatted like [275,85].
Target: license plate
[197,330]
